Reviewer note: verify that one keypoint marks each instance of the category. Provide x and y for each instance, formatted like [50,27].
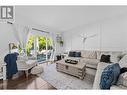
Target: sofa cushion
[123,61]
[109,76]
[105,58]
[92,66]
[89,54]
[122,80]
[90,61]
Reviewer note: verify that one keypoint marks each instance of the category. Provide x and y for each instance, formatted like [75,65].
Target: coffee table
[77,70]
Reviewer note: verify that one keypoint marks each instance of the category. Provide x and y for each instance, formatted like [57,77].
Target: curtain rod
[9,22]
[32,28]
[40,30]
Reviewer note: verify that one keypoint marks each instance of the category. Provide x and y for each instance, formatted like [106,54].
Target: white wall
[111,35]
[6,37]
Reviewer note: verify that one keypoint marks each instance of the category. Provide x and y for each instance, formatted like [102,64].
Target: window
[42,46]
[30,46]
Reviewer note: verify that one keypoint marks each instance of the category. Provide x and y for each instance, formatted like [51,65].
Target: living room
[86,34]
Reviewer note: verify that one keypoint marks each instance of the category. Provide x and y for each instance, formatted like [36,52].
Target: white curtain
[21,34]
[53,37]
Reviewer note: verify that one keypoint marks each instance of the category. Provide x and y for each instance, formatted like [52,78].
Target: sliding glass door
[40,46]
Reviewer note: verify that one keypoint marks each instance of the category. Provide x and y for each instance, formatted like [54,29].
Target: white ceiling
[64,18]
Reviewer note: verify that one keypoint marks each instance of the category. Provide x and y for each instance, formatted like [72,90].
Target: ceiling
[64,18]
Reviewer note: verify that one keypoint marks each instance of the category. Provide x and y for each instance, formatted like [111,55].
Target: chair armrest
[20,61]
[21,64]
[25,65]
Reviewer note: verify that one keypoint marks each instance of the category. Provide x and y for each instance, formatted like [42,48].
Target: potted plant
[61,42]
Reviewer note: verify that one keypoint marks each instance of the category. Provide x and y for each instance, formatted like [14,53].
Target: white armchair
[25,65]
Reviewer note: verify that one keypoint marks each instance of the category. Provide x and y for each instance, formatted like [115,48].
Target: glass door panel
[30,46]
[41,48]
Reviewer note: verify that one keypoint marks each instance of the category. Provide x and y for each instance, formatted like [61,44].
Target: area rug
[64,81]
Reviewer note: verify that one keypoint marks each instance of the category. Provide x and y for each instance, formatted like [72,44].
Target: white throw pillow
[115,57]
[123,62]
[122,80]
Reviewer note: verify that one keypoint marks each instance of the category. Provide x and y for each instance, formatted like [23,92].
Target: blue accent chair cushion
[109,76]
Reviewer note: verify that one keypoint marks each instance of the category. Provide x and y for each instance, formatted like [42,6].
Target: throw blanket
[10,59]
[109,76]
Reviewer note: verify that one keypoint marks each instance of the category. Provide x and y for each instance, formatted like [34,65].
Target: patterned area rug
[64,81]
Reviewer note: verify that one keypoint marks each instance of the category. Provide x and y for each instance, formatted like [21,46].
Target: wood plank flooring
[32,82]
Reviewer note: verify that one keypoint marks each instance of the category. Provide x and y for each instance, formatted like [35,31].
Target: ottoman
[37,70]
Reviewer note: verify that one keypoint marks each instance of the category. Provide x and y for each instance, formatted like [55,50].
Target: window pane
[41,53]
[30,46]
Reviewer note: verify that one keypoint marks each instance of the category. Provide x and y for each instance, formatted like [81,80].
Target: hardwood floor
[32,82]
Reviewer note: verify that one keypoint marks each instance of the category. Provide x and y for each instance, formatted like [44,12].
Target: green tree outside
[30,45]
[41,43]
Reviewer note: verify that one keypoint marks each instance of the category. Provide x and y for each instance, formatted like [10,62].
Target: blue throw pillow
[109,76]
[77,54]
[71,54]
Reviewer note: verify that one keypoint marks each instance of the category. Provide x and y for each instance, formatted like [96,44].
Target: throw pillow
[115,57]
[122,80]
[77,54]
[123,70]
[123,62]
[71,54]
[109,76]
[100,53]
[105,58]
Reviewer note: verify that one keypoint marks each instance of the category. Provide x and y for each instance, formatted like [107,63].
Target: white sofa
[92,60]
[100,69]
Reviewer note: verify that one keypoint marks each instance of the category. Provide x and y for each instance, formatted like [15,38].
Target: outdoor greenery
[30,45]
[41,43]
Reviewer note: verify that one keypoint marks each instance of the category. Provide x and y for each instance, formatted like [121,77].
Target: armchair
[25,65]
